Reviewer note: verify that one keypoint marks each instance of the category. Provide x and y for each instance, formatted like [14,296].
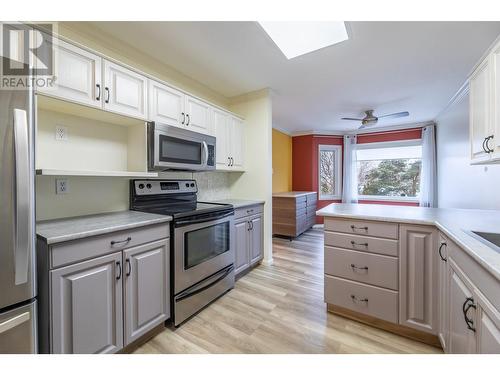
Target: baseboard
[397,329]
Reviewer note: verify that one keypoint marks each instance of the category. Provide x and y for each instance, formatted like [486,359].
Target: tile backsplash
[112,194]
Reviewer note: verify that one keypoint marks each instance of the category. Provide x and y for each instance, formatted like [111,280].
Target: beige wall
[256,182]
[282,162]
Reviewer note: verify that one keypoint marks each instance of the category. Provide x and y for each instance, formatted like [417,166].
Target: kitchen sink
[490,239]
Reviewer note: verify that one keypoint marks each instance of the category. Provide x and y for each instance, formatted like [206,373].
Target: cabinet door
[418,277]
[221,125]
[479,110]
[443,292]
[86,312]
[237,151]
[241,239]
[495,101]
[147,288]
[198,115]
[166,105]
[78,75]
[461,338]
[488,327]
[125,91]
[256,239]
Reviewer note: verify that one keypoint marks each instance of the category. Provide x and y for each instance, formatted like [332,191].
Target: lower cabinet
[249,242]
[418,278]
[146,288]
[87,306]
[461,332]
[488,327]
[443,291]
[102,304]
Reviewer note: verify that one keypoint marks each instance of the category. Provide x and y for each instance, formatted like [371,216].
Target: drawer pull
[128,239]
[353,243]
[440,253]
[354,267]
[249,211]
[353,227]
[355,299]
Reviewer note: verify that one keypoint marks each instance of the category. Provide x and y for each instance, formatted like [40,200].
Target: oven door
[202,247]
[174,148]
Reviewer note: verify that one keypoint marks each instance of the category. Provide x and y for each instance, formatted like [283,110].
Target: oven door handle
[179,223]
[202,286]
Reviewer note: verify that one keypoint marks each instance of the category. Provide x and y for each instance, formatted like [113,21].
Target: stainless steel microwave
[170,147]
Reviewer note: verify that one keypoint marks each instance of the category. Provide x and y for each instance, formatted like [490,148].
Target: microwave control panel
[211,156]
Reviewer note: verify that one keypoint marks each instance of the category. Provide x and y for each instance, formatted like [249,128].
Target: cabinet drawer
[247,211]
[91,247]
[366,228]
[380,270]
[311,199]
[366,299]
[362,243]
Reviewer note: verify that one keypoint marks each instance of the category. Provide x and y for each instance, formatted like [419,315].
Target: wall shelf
[59,172]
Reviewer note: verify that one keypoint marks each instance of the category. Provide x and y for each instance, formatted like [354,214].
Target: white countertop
[292,194]
[240,203]
[454,223]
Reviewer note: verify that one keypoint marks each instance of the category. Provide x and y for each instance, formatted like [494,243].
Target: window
[330,183]
[389,170]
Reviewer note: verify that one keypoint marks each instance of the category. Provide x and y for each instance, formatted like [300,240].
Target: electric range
[201,241]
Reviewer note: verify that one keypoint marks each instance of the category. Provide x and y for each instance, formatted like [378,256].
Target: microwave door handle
[22,245]
[205,148]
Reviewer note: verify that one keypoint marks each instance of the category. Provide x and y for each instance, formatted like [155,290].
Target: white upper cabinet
[78,76]
[230,134]
[484,110]
[166,105]
[221,130]
[237,143]
[197,115]
[495,102]
[479,112]
[125,91]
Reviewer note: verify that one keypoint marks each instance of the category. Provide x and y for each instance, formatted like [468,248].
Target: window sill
[387,199]
[330,198]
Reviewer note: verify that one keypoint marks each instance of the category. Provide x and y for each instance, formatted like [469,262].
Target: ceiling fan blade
[351,118]
[396,115]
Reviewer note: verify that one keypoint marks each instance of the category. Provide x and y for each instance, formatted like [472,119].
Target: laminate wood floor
[279,309]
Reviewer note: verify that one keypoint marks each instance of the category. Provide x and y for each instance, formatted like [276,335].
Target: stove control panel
[160,187]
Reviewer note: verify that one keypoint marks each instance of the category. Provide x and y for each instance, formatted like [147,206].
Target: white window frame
[337,171]
[364,146]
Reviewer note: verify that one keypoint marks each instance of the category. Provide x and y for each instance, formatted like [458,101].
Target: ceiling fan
[371,119]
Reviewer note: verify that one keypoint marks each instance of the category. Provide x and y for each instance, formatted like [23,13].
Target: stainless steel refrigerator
[18,309]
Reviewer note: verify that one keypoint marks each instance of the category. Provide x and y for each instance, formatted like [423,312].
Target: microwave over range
[170,147]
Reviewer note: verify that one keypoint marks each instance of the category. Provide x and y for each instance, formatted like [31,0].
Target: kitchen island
[418,272]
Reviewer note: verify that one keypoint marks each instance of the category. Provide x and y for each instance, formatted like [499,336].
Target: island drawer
[366,299]
[379,270]
[362,243]
[91,247]
[361,227]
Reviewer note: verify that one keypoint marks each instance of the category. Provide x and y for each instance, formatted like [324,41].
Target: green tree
[397,177]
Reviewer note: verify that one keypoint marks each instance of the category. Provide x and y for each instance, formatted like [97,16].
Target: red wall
[305,160]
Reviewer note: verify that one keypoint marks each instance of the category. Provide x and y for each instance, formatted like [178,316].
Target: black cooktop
[176,198]
[185,209]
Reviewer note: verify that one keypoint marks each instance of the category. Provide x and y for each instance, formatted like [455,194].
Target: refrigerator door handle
[22,246]
[14,322]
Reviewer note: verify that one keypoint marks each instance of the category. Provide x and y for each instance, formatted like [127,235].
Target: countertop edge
[442,227]
[98,232]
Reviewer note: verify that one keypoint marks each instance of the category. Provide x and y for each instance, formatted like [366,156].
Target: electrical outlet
[62,186]
[61,133]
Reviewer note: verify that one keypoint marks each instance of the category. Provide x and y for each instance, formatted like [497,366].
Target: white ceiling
[386,66]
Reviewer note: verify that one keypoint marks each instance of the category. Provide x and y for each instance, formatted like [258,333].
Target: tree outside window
[329,159]
[389,170]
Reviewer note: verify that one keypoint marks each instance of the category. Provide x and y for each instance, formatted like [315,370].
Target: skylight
[298,38]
